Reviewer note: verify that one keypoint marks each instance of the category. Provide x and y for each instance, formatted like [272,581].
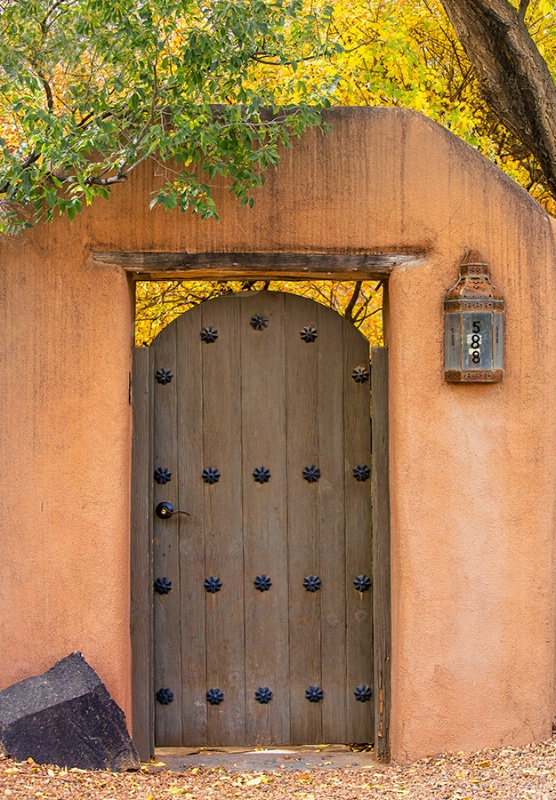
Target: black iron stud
[164,510]
[211,475]
[261,474]
[213,584]
[308,334]
[163,585]
[311,473]
[259,322]
[164,376]
[362,583]
[165,696]
[215,696]
[263,694]
[162,475]
[312,583]
[209,334]
[313,694]
[361,472]
[262,583]
[363,693]
[360,374]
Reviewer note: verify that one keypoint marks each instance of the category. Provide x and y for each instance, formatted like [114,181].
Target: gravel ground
[527,773]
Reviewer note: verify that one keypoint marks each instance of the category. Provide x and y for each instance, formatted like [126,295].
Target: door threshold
[269,758]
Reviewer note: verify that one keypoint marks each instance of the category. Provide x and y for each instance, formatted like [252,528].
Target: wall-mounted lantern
[474,311]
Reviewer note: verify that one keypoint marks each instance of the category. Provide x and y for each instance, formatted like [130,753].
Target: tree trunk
[512,75]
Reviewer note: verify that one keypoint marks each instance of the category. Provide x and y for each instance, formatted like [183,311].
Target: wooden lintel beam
[216,266]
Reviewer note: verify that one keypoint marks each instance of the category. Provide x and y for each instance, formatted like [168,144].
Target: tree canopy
[90,88]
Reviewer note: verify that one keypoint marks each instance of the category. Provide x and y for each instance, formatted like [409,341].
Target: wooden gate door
[263,601]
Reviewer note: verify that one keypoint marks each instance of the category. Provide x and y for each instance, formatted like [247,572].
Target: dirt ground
[527,773]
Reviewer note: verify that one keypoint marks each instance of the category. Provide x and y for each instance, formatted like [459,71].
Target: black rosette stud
[215,697]
[213,585]
[312,583]
[360,374]
[165,696]
[362,583]
[259,322]
[162,475]
[308,334]
[209,334]
[262,583]
[314,694]
[263,695]
[261,474]
[211,475]
[311,473]
[362,472]
[164,376]
[363,693]
[163,585]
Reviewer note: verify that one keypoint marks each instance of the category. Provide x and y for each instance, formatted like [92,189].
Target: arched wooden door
[263,598]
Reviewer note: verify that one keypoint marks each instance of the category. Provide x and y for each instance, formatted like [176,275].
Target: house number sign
[474,312]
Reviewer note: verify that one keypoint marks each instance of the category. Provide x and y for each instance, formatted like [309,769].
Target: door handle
[166,510]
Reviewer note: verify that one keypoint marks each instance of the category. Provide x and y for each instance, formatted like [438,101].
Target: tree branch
[47,90]
[353,300]
[512,75]
[523,6]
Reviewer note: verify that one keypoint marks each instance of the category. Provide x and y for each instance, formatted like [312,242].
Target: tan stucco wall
[472,467]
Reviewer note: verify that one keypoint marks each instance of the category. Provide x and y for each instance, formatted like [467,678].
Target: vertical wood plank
[302,436]
[381,552]
[222,449]
[191,528]
[167,654]
[141,622]
[330,489]
[265,518]
[358,526]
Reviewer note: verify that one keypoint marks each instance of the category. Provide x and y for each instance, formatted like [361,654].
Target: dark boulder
[66,717]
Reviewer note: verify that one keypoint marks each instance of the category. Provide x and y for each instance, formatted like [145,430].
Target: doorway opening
[158,304]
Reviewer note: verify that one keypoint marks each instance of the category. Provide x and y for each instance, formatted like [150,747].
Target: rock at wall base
[65,717]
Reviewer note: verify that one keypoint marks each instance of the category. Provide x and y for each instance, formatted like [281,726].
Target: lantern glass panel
[452,341]
[477,340]
[498,350]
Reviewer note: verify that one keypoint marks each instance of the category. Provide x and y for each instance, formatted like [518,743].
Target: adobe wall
[472,467]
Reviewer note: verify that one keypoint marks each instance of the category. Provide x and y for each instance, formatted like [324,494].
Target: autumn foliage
[91,88]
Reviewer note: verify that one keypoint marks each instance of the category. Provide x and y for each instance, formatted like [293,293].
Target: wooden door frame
[255,266]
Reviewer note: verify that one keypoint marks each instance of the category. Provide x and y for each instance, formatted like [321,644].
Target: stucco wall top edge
[419,124]
[407,136]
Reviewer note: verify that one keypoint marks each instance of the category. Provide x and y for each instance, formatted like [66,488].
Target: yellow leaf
[254,782]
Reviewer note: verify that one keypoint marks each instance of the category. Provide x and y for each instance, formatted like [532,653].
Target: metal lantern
[474,311]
